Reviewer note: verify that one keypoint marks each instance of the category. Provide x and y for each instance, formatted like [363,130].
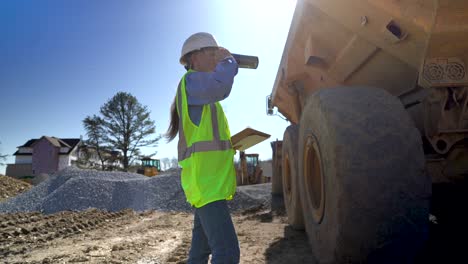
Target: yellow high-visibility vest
[205,153]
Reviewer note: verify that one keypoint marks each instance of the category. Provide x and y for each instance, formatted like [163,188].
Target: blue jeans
[213,233]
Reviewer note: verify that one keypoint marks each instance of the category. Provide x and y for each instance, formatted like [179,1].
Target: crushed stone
[74,189]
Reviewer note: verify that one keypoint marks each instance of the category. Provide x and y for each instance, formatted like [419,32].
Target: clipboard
[248,138]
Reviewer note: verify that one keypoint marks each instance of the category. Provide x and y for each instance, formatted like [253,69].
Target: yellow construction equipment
[149,167]
[249,170]
[376,92]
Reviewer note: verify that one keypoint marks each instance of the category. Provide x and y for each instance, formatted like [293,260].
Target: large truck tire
[364,189]
[276,179]
[292,199]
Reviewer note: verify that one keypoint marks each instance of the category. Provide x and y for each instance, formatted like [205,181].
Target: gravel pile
[76,190]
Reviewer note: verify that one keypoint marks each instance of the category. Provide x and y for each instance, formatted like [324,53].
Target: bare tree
[96,138]
[2,157]
[174,163]
[165,162]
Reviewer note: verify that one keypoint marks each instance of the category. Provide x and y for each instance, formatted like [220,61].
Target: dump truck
[376,92]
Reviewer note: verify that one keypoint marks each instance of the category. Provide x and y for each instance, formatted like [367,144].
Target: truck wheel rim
[313,179]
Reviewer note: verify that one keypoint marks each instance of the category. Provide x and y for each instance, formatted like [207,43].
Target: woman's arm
[209,87]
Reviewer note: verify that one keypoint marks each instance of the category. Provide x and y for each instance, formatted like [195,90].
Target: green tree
[127,126]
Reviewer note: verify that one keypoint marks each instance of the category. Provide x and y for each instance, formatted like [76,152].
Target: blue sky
[61,60]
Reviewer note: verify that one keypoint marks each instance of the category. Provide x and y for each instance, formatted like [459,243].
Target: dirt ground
[95,236]
[10,187]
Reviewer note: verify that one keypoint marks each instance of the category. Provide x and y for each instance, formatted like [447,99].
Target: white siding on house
[64,150]
[73,154]
[64,161]
[94,158]
[23,159]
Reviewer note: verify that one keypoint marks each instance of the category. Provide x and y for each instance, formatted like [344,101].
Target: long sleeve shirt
[209,87]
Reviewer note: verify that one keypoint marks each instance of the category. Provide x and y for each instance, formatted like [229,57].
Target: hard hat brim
[182,58]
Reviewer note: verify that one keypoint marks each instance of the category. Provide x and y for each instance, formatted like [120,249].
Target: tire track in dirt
[23,232]
[95,236]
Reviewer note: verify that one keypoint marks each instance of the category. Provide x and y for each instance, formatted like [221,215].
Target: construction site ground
[96,236]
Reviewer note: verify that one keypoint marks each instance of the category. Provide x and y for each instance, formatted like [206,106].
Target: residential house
[88,157]
[50,154]
[43,155]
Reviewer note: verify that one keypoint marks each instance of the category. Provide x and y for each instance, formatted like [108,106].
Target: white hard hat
[195,42]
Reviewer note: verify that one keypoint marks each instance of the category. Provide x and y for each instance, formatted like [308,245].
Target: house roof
[57,142]
[28,143]
[70,143]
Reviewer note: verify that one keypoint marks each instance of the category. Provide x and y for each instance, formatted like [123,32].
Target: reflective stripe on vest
[185,152]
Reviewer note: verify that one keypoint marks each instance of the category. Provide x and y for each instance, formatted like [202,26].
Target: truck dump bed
[377,43]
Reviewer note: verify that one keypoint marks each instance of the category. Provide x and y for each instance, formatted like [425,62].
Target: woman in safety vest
[205,152]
